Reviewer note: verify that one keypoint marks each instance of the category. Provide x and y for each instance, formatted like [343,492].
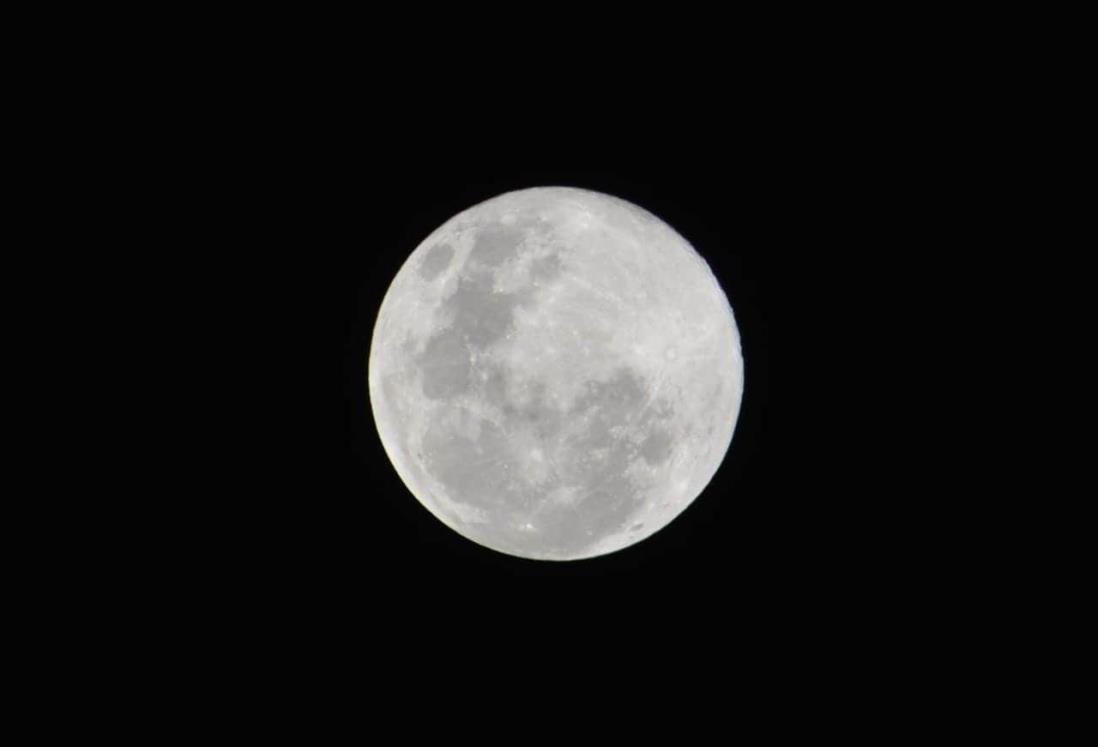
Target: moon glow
[555,373]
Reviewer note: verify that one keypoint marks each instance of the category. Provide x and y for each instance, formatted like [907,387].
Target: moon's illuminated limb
[555,373]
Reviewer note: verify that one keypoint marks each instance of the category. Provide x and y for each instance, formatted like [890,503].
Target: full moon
[555,373]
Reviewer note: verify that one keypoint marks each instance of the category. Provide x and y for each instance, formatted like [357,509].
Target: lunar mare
[555,373]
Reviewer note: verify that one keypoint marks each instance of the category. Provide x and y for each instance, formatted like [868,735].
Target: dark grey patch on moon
[490,473]
[663,409]
[471,470]
[546,268]
[445,365]
[438,259]
[616,399]
[481,316]
[606,406]
[495,386]
[572,529]
[656,448]
[495,244]
[594,466]
[535,414]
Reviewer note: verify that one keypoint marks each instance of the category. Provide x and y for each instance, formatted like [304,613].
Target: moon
[555,373]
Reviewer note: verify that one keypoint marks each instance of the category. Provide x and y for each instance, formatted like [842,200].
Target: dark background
[363,217]
[270,195]
[321,204]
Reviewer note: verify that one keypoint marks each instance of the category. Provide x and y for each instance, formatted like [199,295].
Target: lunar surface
[555,373]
